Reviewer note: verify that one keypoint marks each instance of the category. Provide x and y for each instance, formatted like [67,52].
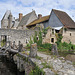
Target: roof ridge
[39,20]
[59,10]
[63,15]
[29,13]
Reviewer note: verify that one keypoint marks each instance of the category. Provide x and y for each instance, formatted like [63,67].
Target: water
[8,68]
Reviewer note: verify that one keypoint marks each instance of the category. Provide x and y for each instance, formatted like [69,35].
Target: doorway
[3,40]
[52,40]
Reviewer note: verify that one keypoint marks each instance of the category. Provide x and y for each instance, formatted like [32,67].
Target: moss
[46,65]
[39,58]
[37,71]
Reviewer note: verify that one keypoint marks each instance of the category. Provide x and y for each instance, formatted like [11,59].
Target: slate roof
[6,15]
[45,18]
[25,19]
[64,18]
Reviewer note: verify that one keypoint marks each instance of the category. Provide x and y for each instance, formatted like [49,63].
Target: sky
[43,7]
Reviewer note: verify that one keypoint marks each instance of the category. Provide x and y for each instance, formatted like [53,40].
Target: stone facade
[8,20]
[17,35]
[18,30]
[50,37]
[69,36]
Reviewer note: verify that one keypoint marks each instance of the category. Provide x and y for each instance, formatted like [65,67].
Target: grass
[39,58]
[46,65]
[64,53]
[73,63]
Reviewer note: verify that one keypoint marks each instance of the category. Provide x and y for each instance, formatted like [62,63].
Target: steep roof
[7,13]
[45,18]
[64,18]
[25,19]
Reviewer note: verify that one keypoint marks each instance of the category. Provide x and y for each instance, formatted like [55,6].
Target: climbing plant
[39,42]
[34,38]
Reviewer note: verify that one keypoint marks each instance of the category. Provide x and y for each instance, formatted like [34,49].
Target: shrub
[30,42]
[37,71]
[2,43]
[39,42]
[28,45]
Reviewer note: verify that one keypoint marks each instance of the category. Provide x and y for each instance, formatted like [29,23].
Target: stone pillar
[9,45]
[54,49]
[10,21]
[14,45]
[20,47]
[33,50]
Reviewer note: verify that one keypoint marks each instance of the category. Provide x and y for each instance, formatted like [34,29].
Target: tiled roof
[45,18]
[25,19]
[64,18]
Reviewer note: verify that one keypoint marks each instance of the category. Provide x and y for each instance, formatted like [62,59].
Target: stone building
[9,22]
[15,29]
[24,27]
[58,21]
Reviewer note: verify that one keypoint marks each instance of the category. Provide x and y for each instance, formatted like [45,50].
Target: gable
[32,18]
[27,18]
[54,20]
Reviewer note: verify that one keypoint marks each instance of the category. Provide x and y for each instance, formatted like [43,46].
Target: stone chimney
[39,16]
[20,16]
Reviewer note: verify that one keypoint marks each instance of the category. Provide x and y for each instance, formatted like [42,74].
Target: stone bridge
[20,57]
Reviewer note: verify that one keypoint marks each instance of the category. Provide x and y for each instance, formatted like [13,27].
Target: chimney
[39,16]
[20,16]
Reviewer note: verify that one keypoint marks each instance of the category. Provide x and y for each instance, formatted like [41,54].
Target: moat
[8,67]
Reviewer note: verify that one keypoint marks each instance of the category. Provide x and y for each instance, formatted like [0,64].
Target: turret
[10,21]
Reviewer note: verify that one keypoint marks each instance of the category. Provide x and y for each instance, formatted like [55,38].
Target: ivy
[34,38]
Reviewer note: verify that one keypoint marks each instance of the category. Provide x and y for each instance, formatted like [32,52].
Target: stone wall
[18,35]
[4,23]
[49,36]
[69,36]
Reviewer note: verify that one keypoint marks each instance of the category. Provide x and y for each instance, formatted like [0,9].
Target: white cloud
[40,6]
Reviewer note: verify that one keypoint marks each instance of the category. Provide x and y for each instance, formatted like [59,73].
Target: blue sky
[43,7]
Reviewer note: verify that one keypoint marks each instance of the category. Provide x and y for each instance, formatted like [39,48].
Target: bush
[3,43]
[45,47]
[28,45]
[37,71]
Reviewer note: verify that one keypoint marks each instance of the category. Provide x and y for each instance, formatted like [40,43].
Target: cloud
[40,6]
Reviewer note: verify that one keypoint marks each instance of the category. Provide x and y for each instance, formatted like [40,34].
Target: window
[52,40]
[26,41]
[52,31]
[70,34]
[57,31]
[37,38]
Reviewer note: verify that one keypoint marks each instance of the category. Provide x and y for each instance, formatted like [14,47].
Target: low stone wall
[24,63]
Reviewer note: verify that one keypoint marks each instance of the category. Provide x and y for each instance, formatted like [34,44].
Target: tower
[10,21]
